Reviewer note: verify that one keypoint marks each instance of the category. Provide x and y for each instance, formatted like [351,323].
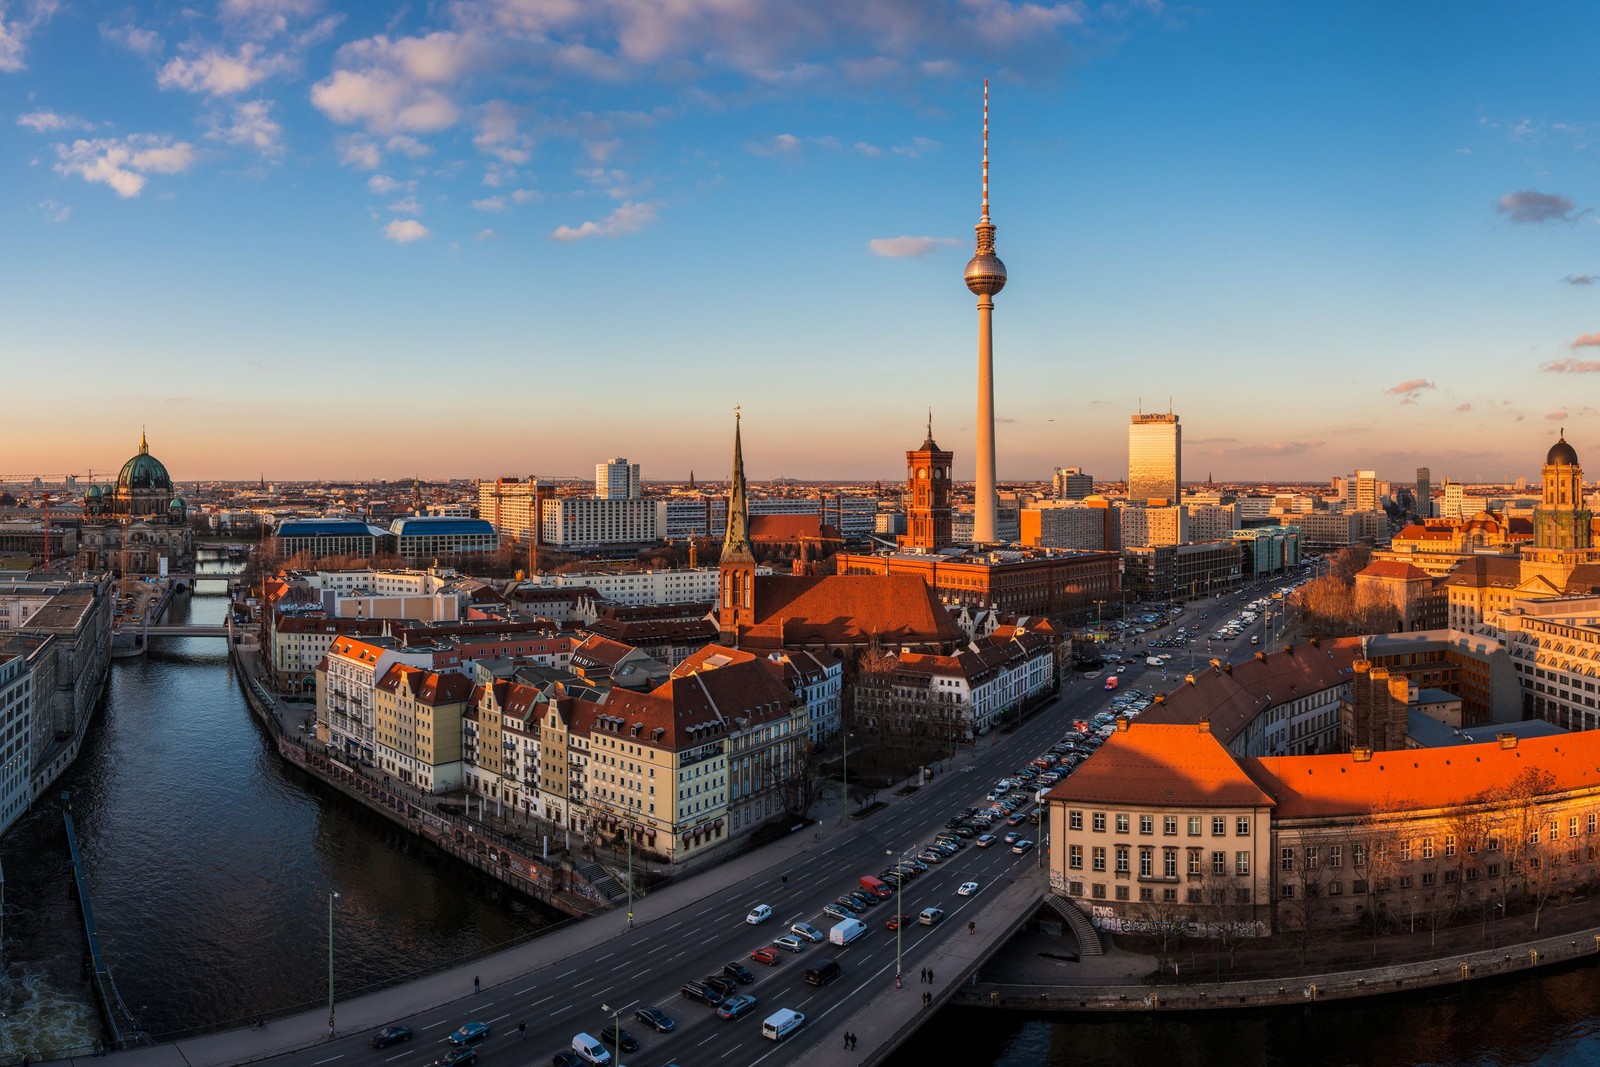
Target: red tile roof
[1160,764]
[1231,698]
[850,609]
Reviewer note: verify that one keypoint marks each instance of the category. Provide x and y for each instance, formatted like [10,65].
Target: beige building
[417,730]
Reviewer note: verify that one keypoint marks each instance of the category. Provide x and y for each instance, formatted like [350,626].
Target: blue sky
[481,237]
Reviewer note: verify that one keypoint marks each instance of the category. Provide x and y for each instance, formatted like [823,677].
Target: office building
[1155,459]
[616,479]
[1070,483]
[1424,493]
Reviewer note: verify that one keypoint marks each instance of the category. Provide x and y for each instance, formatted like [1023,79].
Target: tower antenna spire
[985,211]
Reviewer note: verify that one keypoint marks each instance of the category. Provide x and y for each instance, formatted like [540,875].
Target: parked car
[736,1007]
[850,904]
[656,1019]
[739,973]
[759,914]
[863,898]
[390,1035]
[963,831]
[457,1057]
[703,993]
[766,955]
[834,911]
[566,1058]
[788,944]
[721,983]
[619,1039]
[809,932]
[469,1032]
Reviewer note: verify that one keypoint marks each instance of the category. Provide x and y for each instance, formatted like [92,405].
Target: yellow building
[417,716]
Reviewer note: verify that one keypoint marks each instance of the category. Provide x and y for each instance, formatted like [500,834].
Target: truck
[876,886]
[846,931]
[1153,661]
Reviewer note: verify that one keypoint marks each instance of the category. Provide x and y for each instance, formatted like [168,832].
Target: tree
[1373,842]
[1228,919]
[1532,851]
[1304,870]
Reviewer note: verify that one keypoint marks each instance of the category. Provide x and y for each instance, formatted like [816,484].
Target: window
[1122,859]
[1146,894]
[1192,896]
[1555,831]
[1241,864]
[1405,881]
[1122,823]
[1194,862]
[1288,892]
[1335,855]
[1099,857]
[1493,844]
[1194,826]
[1572,826]
[1405,850]
[1241,896]
[1591,822]
[1449,844]
[1147,824]
[1285,859]
[1169,895]
[1147,862]
[1494,870]
[1428,877]
[1099,891]
[1335,888]
[1219,863]
[1122,892]
[1075,820]
[1169,825]
[1075,857]
[1099,822]
[1358,855]
[1427,848]
[1169,863]
[1219,826]
[1313,857]
[1241,826]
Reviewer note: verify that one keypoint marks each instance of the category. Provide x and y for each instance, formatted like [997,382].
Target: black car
[619,1039]
[721,983]
[739,973]
[656,1019]
[390,1035]
[566,1059]
[703,993]
[854,907]
[953,821]
[963,830]
[890,877]
[457,1057]
[866,900]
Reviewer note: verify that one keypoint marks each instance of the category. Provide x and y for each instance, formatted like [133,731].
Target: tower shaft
[985,520]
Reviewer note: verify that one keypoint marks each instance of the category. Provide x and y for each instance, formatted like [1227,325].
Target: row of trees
[1333,606]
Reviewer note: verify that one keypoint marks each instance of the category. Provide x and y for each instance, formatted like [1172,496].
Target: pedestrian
[853,1040]
[930,978]
[522,1030]
[847,1041]
[476,986]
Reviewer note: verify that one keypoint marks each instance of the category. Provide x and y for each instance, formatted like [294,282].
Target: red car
[895,922]
[766,955]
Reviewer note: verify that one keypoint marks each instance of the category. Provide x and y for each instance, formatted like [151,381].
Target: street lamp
[899,918]
[332,896]
[616,1032]
[627,829]
[844,814]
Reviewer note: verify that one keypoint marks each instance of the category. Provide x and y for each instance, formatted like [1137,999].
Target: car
[985,841]
[953,821]
[656,1019]
[759,914]
[457,1057]
[467,1033]
[834,911]
[703,993]
[736,1007]
[930,916]
[895,922]
[967,889]
[788,944]
[619,1039]
[390,1035]
[721,983]
[1121,668]
[927,855]
[767,956]
[1015,820]
[1022,847]
[1012,836]
[952,840]
[864,898]
[809,932]
[964,831]
[566,1058]
[739,973]
[849,903]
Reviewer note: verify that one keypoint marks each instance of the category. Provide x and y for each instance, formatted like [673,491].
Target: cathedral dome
[144,471]
[93,493]
[1561,453]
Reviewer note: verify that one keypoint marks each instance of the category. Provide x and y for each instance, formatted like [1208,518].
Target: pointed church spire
[144,445]
[736,543]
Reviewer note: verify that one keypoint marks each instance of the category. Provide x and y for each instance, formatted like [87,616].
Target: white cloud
[404,231]
[408,206]
[498,136]
[483,235]
[15,31]
[382,184]
[139,41]
[628,218]
[784,144]
[252,125]
[122,163]
[407,146]
[47,121]
[383,101]
[358,152]
[522,196]
[490,203]
[55,212]
[902,247]
[217,73]
[436,59]
[264,18]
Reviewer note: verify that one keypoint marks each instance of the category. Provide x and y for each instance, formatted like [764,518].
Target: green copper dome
[144,471]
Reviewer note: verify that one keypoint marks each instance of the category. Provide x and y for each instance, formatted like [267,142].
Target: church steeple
[737,577]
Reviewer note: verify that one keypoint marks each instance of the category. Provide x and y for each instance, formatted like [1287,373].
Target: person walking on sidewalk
[476,987]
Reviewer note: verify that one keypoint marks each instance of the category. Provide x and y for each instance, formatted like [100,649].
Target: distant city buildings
[616,479]
[1155,459]
[1070,483]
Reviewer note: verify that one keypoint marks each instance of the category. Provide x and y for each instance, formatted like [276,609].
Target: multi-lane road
[646,966]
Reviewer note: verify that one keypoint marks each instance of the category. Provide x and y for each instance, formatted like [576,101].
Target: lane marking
[497,1018]
[402,1056]
[330,1059]
[519,992]
[430,1026]
[731,1051]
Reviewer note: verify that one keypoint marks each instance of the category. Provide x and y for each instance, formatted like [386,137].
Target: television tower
[985,276]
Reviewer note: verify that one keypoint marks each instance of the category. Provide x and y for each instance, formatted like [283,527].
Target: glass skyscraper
[1155,458]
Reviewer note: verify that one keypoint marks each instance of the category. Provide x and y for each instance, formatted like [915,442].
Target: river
[211,864]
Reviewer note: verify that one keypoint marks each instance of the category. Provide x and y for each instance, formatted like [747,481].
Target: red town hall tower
[928,526]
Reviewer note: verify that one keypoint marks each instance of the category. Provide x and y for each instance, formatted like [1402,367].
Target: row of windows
[1169,824]
[1195,866]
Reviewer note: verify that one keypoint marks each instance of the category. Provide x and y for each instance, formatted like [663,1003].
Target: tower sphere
[985,275]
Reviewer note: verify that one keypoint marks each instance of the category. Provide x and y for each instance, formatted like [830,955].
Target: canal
[211,864]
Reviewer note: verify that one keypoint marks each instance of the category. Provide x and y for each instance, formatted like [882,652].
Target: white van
[590,1050]
[846,931]
[780,1024]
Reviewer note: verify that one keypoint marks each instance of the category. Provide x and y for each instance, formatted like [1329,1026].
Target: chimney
[1188,679]
[1361,754]
[1122,724]
[1315,642]
[1160,698]
[1506,740]
[1205,726]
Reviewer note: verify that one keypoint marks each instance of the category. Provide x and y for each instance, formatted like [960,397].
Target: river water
[210,864]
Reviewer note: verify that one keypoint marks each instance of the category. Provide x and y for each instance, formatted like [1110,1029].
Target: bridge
[186,630]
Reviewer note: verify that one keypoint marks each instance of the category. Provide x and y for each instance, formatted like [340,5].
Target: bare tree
[1374,842]
[1532,853]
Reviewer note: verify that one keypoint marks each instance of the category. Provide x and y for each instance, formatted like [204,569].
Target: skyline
[1302,226]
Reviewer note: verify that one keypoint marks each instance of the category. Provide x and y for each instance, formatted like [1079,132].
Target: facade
[855,517]
[928,527]
[1562,521]
[1324,531]
[347,682]
[639,588]
[818,681]
[1554,645]
[321,538]
[965,694]
[1088,526]
[1473,667]
[1155,459]
[1211,522]
[1181,572]
[1268,549]
[16,727]
[417,726]
[616,479]
[297,642]
[571,523]
[1071,483]
[1419,599]
[419,539]
[512,507]
[1424,493]
[1056,584]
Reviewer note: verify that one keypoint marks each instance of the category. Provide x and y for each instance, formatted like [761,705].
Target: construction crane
[45,495]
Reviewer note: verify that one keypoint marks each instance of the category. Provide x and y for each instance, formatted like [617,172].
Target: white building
[1212,522]
[510,506]
[579,523]
[1143,527]
[16,729]
[818,681]
[616,479]
[856,517]
[347,681]
[641,588]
